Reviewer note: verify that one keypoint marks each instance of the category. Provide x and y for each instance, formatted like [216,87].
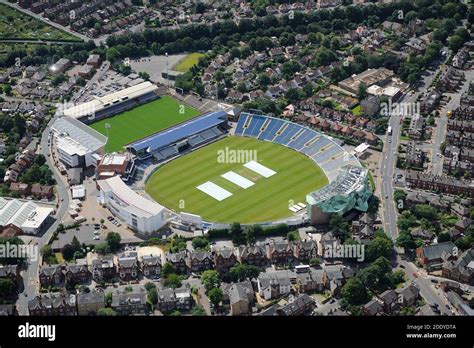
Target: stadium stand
[192,133]
[321,149]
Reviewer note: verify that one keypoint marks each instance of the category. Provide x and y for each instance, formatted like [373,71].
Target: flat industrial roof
[137,204]
[22,214]
[99,103]
[179,132]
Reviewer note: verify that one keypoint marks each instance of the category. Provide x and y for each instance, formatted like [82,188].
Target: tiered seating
[271,130]
[168,152]
[285,137]
[302,139]
[329,151]
[254,127]
[299,138]
[207,135]
[196,140]
[217,132]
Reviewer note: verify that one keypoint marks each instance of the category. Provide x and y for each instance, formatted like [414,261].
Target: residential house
[408,295]
[313,280]
[90,303]
[280,252]
[297,305]
[224,258]
[178,260]
[103,268]
[252,255]
[460,269]
[174,299]
[128,267]
[42,191]
[76,273]
[151,265]
[199,261]
[305,250]
[274,284]
[433,256]
[133,303]
[53,305]
[51,276]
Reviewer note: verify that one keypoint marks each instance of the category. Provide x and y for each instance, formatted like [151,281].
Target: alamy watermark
[400,109]
[228,155]
[345,251]
[21,251]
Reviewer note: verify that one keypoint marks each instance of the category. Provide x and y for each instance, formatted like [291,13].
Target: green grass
[142,121]
[356,110]
[15,24]
[188,62]
[175,183]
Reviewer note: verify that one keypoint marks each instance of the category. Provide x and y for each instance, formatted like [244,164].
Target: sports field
[188,62]
[174,184]
[142,121]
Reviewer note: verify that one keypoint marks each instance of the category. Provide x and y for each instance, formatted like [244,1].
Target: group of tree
[170,276]
[111,244]
[374,279]
[211,281]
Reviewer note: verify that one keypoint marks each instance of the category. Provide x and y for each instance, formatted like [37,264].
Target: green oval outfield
[175,183]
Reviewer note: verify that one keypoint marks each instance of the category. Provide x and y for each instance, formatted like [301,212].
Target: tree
[263,81]
[102,248]
[292,236]
[405,240]
[354,292]
[455,42]
[7,89]
[7,287]
[236,233]
[46,251]
[241,272]
[167,269]
[152,296]
[210,279]
[68,252]
[198,311]
[106,312]
[150,285]
[108,299]
[425,211]
[379,246]
[314,262]
[200,243]
[215,296]
[361,91]
[173,281]
[113,241]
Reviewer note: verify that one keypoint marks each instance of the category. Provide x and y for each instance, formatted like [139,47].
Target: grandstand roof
[79,135]
[181,131]
[100,103]
[350,179]
[136,204]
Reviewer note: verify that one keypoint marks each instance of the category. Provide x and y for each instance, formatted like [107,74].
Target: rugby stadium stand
[113,103]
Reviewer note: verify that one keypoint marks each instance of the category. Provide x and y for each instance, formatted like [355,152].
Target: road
[426,286]
[30,275]
[389,161]
[389,207]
